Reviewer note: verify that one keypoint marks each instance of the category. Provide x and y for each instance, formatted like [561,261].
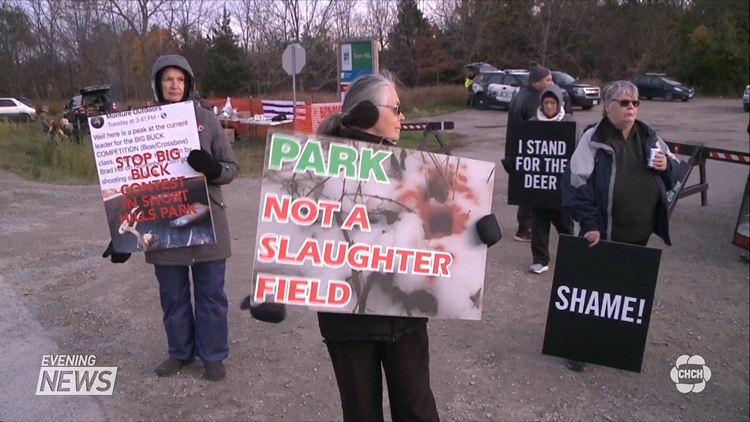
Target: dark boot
[575,365]
[215,371]
[522,235]
[172,366]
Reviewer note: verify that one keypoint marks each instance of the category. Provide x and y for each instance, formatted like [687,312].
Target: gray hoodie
[212,140]
[555,91]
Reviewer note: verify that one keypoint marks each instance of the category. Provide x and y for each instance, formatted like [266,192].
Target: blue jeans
[203,333]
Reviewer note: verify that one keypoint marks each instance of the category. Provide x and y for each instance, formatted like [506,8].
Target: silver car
[746,99]
[13,109]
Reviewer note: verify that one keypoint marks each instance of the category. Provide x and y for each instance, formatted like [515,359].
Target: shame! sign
[600,303]
[538,153]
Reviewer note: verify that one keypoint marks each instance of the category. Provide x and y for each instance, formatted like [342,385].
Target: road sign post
[293,60]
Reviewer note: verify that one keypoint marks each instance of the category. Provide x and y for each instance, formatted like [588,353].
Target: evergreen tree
[227,69]
[403,40]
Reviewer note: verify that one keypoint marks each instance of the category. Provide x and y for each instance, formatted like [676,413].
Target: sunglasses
[396,108]
[626,103]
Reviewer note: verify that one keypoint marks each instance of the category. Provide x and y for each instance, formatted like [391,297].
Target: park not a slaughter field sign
[354,227]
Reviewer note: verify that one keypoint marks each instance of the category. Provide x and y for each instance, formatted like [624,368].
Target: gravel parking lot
[57,295]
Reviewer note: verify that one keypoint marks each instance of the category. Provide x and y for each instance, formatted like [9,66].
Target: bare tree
[380,19]
[139,15]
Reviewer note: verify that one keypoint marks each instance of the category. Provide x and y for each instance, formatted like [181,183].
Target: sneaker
[172,366]
[522,236]
[575,365]
[538,268]
[215,371]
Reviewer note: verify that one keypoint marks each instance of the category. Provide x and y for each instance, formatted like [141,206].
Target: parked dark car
[92,101]
[581,94]
[659,85]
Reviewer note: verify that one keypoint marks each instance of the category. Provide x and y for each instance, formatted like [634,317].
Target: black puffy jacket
[340,326]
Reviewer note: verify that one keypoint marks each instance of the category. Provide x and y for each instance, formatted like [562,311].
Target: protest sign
[539,153]
[600,303]
[683,172]
[353,227]
[153,199]
[742,229]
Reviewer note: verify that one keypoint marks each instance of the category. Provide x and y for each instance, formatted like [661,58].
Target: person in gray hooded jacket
[203,331]
[551,109]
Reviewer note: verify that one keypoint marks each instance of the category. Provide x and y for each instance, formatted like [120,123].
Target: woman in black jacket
[360,344]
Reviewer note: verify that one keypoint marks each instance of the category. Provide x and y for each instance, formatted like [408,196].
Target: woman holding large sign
[616,185]
[202,330]
[360,344]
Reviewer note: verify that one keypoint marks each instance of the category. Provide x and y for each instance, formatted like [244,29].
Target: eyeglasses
[626,103]
[396,108]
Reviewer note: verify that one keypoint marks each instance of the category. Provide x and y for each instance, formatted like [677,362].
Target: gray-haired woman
[361,347]
[360,344]
[612,188]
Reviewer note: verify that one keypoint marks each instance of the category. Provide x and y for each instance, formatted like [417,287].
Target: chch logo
[690,373]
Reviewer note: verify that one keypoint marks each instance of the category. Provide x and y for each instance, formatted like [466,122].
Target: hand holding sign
[592,237]
[203,162]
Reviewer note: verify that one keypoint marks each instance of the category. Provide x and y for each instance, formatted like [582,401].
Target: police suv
[497,88]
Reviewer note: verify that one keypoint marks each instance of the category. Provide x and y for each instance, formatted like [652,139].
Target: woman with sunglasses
[615,187]
[361,347]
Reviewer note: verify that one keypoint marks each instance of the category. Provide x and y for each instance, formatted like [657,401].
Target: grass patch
[432,100]
[250,154]
[28,153]
[411,139]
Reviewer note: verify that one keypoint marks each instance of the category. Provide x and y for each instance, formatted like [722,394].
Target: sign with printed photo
[600,304]
[353,227]
[539,153]
[153,199]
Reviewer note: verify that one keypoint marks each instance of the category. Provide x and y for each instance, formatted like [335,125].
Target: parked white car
[13,109]
[746,99]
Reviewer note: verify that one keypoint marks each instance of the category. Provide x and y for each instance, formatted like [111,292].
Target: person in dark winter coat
[609,188]
[550,110]
[203,331]
[361,347]
[522,108]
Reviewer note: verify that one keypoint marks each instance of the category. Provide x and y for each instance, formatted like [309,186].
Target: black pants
[523,216]
[406,362]
[541,219]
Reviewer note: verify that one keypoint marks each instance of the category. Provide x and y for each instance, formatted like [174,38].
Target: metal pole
[294,79]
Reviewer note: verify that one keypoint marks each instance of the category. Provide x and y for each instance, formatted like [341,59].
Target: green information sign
[362,56]
[357,57]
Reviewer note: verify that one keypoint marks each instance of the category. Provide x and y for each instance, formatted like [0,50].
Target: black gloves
[266,311]
[489,230]
[204,163]
[116,257]
[507,165]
